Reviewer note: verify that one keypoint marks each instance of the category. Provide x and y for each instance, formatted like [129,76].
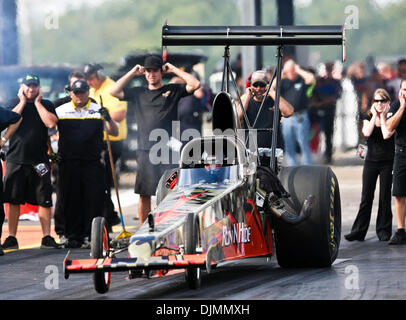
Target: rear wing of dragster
[254,36]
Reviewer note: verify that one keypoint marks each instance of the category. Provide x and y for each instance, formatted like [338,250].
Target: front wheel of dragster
[192,242]
[315,241]
[100,250]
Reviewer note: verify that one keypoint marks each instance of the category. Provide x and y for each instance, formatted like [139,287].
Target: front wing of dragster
[126,264]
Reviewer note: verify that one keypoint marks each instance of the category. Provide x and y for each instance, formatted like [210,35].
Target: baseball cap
[30,79]
[153,62]
[80,86]
[259,76]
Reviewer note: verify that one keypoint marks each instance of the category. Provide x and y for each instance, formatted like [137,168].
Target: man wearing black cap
[27,177]
[81,182]
[156,108]
[252,101]
[59,222]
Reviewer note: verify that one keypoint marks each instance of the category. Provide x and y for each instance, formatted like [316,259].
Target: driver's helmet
[213,168]
[211,161]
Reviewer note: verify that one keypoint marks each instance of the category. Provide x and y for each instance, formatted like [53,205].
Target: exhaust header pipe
[277,208]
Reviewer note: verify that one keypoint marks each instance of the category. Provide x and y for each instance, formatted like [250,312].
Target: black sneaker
[73,244]
[10,243]
[354,236]
[49,243]
[384,236]
[398,238]
[1,251]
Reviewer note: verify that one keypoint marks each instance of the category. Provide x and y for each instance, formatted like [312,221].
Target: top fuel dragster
[227,199]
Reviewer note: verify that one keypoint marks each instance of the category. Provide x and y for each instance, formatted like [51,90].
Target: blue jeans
[296,129]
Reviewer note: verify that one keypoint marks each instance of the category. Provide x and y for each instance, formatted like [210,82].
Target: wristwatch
[3,139]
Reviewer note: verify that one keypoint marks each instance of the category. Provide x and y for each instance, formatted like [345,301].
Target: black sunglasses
[382,100]
[259,84]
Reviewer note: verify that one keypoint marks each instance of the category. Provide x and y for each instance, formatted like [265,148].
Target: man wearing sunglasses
[81,178]
[252,100]
[397,121]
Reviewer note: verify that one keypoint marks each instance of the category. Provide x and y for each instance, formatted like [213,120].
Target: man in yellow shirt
[101,85]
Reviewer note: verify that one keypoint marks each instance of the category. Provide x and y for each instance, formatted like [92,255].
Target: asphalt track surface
[368,270]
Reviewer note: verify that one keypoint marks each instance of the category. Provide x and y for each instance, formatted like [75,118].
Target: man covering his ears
[156,108]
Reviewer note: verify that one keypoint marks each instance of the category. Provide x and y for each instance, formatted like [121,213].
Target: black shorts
[148,174]
[22,184]
[399,175]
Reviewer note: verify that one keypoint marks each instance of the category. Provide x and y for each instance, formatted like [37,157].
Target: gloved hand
[105,114]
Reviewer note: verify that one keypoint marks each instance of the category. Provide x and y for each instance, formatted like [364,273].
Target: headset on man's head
[91,68]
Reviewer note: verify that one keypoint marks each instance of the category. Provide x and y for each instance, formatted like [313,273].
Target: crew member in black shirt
[81,183]
[252,100]
[27,177]
[378,162]
[59,222]
[156,108]
[397,122]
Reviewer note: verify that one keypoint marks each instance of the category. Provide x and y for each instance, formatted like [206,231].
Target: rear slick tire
[192,241]
[315,241]
[100,245]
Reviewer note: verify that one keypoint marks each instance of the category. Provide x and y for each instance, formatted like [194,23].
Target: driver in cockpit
[213,169]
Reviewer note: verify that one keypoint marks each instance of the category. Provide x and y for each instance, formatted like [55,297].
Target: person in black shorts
[11,120]
[81,179]
[156,108]
[378,162]
[397,121]
[28,177]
